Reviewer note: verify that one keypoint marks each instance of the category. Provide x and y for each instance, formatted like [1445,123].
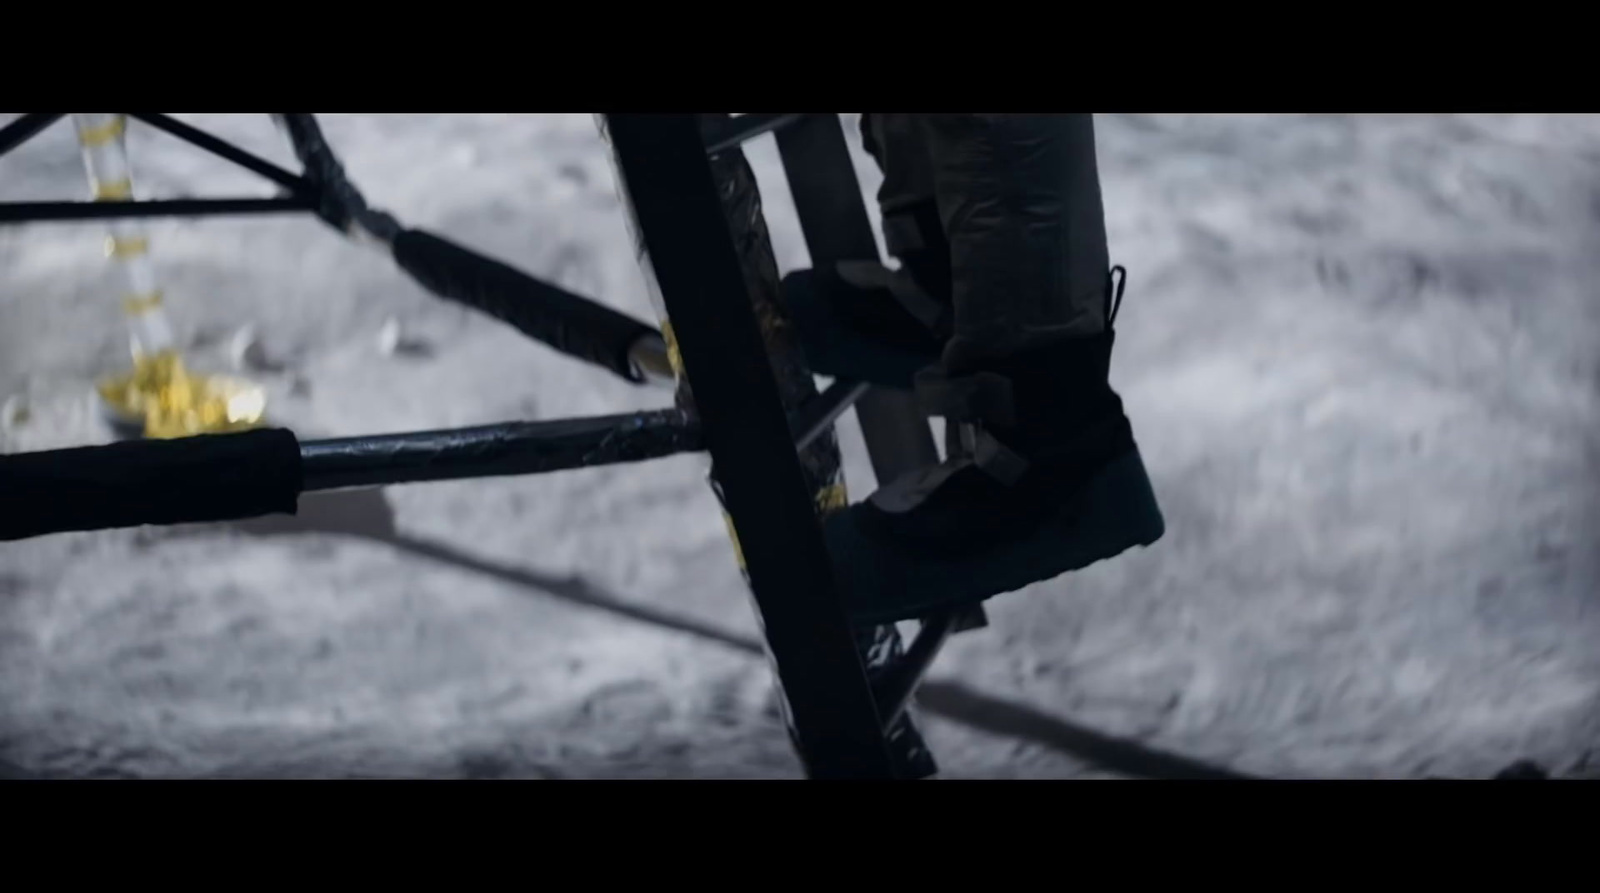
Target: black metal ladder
[838,716]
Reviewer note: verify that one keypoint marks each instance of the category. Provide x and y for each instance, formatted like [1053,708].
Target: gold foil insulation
[171,400]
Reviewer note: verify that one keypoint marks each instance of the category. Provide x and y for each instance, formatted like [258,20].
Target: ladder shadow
[366,515]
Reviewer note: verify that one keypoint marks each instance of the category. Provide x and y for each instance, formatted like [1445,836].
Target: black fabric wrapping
[339,203]
[569,323]
[209,478]
[573,325]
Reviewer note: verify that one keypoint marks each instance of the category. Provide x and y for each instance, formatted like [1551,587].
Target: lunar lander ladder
[845,689]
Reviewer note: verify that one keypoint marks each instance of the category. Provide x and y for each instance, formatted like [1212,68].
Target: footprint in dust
[635,702]
[1378,281]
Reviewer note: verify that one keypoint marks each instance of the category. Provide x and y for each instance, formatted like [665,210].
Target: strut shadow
[366,514]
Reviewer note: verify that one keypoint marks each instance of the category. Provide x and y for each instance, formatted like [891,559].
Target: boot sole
[1114,512]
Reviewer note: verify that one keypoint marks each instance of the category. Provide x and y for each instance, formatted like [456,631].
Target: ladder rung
[811,421]
[744,128]
[893,692]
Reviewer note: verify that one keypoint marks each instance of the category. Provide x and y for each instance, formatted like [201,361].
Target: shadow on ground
[366,514]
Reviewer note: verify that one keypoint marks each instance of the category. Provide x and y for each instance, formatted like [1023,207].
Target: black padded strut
[209,478]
